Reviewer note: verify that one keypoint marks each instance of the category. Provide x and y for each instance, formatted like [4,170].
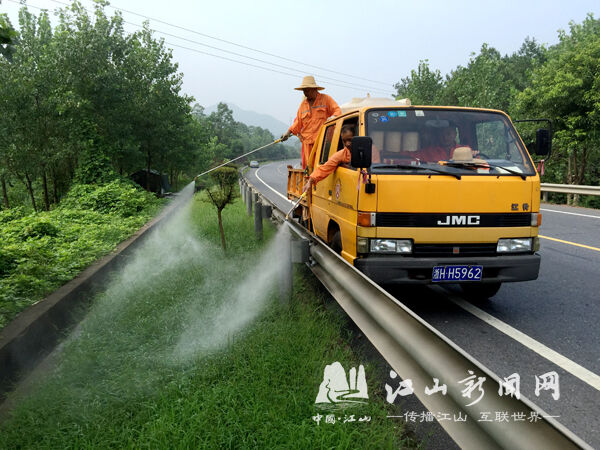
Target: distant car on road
[254,164]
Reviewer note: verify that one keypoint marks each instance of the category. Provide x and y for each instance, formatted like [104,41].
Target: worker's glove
[285,136]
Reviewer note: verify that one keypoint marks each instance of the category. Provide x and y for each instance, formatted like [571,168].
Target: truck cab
[436,195]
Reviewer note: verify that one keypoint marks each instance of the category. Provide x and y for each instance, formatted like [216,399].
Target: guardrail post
[300,252]
[249,201]
[258,225]
[267,211]
[545,196]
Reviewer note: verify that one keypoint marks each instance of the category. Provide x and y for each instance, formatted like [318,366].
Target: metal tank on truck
[430,195]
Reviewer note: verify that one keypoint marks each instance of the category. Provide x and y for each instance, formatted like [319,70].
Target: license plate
[456,273]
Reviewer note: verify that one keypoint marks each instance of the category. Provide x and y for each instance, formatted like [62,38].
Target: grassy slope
[41,251]
[118,383]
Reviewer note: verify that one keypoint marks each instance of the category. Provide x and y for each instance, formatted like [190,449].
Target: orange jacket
[323,171]
[310,118]
[340,157]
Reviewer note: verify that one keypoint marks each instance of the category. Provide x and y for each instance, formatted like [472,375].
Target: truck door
[321,196]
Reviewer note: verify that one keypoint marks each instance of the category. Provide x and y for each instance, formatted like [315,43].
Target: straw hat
[465,154]
[309,82]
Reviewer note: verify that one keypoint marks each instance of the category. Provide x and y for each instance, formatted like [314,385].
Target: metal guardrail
[417,351]
[570,189]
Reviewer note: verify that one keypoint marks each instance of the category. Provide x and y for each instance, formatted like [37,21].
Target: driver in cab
[342,156]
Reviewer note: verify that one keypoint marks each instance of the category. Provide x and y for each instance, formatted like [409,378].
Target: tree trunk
[30,190]
[72,165]
[221,230]
[54,187]
[148,161]
[4,192]
[45,186]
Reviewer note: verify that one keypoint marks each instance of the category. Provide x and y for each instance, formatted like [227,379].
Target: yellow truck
[431,195]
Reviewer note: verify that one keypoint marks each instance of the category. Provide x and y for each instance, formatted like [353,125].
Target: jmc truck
[432,195]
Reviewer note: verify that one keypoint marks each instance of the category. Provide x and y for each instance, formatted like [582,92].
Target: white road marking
[572,214]
[565,363]
[263,182]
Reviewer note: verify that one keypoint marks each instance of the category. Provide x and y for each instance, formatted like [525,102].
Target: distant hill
[275,126]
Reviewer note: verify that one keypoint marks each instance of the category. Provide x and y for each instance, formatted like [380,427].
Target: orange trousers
[306,149]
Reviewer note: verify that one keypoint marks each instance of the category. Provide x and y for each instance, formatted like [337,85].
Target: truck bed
[296,181]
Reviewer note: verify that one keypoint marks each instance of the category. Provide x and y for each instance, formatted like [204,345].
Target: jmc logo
[459,220]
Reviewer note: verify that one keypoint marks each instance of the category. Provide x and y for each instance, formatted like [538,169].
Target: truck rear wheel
[480,291]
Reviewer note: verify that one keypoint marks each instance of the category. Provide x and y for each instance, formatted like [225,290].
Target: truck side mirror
[543,142]
[361,152]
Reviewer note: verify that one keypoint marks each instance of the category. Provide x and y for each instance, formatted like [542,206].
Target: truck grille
[448,250]
[393,219]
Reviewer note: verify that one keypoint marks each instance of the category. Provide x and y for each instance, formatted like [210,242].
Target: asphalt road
[529,328]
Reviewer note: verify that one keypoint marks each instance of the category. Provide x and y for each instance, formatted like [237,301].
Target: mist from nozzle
[176,299]
[212,326]
[169,247]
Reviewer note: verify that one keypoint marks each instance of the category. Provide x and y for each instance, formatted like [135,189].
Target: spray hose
[277,141]
[295,205]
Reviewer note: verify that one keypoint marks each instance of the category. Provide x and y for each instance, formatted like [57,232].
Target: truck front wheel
[480,291]
[336,242]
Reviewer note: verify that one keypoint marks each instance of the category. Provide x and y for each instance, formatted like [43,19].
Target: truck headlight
[514,245]
[391,246]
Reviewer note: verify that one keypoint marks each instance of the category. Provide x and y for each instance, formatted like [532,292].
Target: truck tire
[480,291]
[336,242]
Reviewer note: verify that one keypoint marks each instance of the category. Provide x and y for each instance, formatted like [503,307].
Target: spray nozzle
[295,205]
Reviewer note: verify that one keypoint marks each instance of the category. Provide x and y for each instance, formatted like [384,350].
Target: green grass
[41,251]
[151,367]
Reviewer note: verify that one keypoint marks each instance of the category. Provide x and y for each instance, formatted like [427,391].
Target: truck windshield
[487,143]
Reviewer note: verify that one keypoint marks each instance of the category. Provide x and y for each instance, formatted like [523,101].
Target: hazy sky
[377,40]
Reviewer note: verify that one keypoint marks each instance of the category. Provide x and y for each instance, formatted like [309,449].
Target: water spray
[276,141]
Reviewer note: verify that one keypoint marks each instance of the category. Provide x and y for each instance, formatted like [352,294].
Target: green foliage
[221,189]
[489,80]
[118,197]
[38,229]
[41,251]
[84,101]
[94,168]
[423,87]
[8,37]
[8,215]
[566,89]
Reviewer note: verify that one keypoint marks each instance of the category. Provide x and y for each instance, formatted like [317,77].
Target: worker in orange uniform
[312,113]
[341,157]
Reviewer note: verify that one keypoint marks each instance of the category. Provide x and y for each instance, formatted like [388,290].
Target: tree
[8,37]
[482,83]
[566,89]
[222,191]
[422,87]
